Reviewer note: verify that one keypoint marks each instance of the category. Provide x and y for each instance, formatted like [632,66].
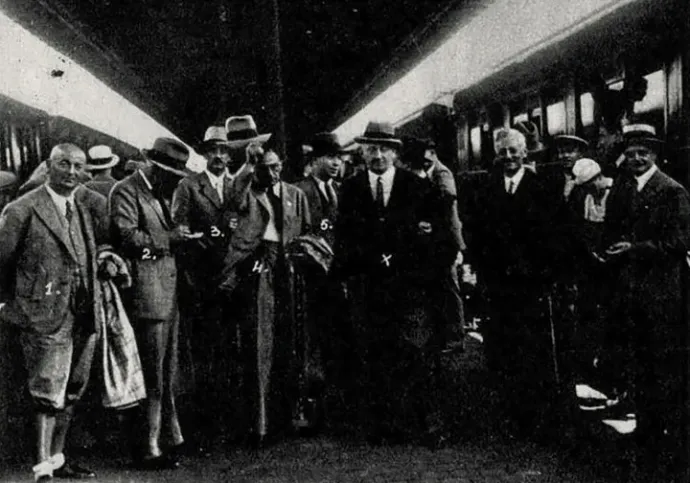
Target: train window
[476,145]
[555,118]
[650,109]
[586,109]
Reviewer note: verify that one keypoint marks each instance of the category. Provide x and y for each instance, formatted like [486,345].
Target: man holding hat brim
[144,233]
[100,164]
[241,132]
[271,214]
[647,238]
[382,234]
[201,204]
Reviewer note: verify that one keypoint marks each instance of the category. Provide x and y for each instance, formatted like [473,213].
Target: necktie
[277,206]
[69,212]
[330,194]
[511,187]
[380,202]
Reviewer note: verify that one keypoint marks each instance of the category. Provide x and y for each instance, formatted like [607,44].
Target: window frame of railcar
[554,97]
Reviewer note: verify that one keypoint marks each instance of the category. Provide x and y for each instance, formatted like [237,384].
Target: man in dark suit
[101,162]
[511,263]
[647,238]
[145,234]
[201,203]
[381,236]
[49,289]
[326,338]
[271,214]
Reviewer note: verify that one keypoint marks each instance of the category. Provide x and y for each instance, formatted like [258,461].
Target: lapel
[227,189]
[146,195]
[87,224]
[397,190]
[287,199]
[319,195]
[644,199]
[208,190]
[48,213]
[365,187]
[263,203]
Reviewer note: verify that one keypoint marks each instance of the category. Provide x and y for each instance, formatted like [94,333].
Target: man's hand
[182,233]
[618,248]
[254,153]
[459,258]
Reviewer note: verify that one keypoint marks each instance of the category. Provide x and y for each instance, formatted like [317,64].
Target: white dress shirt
[386,180]
[516,178]
[216,183]
[271,232]
[644,178]
[60,200]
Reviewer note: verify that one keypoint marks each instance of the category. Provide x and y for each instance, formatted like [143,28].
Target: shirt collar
[643,179]
[431,170]
[215,180]
[58,198]
[516,178]
[386,177]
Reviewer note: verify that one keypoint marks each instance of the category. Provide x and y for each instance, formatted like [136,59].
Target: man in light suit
[646,240]
[271,214]
[48,265]
[144,233]
[201,203]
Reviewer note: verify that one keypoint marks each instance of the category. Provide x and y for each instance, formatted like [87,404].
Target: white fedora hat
[101,157]
[241,131]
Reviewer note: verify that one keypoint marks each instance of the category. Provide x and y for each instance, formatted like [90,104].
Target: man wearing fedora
[48,259]
[201,204]
[100,164]
[326,338]
[145,234]
[646,241]
[381,234]
[241,132]
[271,214]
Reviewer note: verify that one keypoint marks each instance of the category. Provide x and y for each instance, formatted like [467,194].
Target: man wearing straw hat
[100,164]
[646,240]
[145,234]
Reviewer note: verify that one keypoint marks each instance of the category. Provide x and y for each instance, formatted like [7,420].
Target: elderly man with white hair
[509,249]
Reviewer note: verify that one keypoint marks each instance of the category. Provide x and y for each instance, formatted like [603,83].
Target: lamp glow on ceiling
[35,74]
[506,31]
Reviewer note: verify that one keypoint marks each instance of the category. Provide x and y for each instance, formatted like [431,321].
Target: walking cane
[554,354]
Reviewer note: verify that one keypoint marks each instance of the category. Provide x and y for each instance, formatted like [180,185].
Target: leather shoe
[74,472]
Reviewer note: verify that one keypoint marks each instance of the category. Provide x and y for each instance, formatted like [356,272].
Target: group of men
[285,291]
[586,259]
[222,260]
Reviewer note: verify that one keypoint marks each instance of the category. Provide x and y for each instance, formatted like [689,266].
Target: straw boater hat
[585,170]
[168,154]
[241,131]
[643,134]
[379,133]
[101,157]
[325,144]
[570,139]
[214,136]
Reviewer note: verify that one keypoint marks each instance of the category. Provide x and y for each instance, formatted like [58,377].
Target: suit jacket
[253,216]
[323,217]
[443,180]
[141,233]
[38,263]
[512,232]
[197,205]
[102,186]
[656,221]
[388,244]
